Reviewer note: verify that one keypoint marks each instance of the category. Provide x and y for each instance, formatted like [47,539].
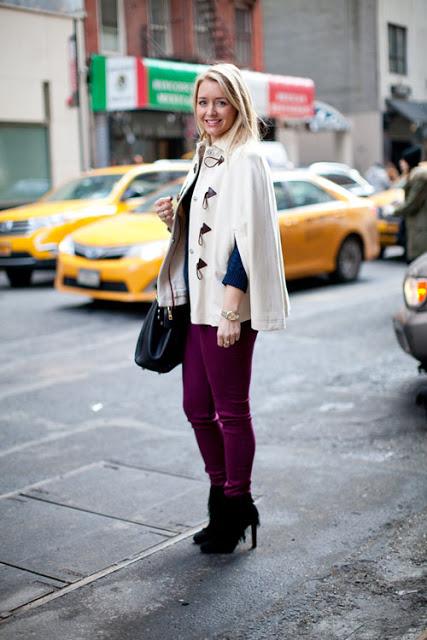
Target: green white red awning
[128,83]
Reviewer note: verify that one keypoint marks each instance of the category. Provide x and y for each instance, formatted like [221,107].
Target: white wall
[34,49]
[367,135]
[305,147]
[411,14]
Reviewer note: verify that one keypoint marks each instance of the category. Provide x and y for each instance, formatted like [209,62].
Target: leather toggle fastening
[204,229]
[209,194]
[199,266]
[211,161]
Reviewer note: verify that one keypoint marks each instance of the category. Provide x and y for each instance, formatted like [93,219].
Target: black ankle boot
[238,513]
[216,498]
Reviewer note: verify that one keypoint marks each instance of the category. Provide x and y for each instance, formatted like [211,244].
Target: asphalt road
[101,484]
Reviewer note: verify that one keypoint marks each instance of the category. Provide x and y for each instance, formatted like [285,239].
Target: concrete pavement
[102,484]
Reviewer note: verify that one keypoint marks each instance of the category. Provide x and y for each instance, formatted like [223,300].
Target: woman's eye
[222,103]
[202,103]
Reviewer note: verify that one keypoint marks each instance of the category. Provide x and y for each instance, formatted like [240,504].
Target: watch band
[230,315]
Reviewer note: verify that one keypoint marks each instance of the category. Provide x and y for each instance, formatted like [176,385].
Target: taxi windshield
[88,187]
[169,190]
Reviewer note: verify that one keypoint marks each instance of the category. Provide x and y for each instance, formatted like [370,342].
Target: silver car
[345,176]
[410,323]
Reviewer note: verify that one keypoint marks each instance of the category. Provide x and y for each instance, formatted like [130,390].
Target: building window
[110,26]
[204,24]
[243,18]
[397,49]
[159,28]
[24,163]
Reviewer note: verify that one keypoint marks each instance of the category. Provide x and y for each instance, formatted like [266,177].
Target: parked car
[410,322]
[275,153]
[29,235]
[323,229]
[344,176]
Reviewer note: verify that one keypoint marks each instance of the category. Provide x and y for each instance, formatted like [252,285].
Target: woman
[224,259]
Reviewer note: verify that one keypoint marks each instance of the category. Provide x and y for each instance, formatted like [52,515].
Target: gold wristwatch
[230,315]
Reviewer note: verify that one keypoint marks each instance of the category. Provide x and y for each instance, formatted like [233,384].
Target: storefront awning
[127,83]
[414,111]
[327,118]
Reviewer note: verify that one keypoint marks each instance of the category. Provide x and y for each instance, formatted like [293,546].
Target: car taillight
[415,292]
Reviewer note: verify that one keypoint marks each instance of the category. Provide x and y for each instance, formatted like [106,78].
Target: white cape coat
[234,198]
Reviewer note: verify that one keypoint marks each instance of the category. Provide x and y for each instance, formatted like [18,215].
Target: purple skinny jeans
[216,402]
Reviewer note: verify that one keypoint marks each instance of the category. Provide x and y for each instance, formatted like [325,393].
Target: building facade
[41,131]
[361,54]
[402,73]
[122,33]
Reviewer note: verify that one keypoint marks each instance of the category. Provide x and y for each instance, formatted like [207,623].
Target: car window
[304,193]
[146,183]
[148,205]
[282,198]
[90,187]
[341,179]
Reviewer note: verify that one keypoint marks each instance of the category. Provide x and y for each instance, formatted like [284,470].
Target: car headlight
[66,246]
[149,250]
[415,292]
[48,221]
[386,211]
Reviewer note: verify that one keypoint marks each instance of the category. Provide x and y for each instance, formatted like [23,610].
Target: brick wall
[183,43]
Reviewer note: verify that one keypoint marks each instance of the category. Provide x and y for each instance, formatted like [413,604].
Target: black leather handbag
[161,342]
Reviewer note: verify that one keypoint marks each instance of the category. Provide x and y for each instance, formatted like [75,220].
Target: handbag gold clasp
[170,316]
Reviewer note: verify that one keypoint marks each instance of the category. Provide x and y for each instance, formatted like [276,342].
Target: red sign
[291,98]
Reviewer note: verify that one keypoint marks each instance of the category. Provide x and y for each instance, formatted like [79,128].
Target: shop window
[397,37]
[305,193]
[204,23]
[159,28]
[243,28]
[111,26]
[24,163]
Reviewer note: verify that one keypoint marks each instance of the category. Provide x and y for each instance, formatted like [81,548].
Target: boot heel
[254,535]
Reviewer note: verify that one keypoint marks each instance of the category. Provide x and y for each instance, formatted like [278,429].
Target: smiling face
[213,111]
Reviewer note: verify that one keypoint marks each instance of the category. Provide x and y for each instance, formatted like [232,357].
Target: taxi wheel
[19,277]
[349,260]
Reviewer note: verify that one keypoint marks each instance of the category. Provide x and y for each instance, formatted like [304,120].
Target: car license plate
[88,278]
[5,249]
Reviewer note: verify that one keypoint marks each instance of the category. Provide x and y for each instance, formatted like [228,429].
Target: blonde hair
[231,81]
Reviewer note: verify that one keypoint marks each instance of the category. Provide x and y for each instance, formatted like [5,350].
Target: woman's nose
[211,109]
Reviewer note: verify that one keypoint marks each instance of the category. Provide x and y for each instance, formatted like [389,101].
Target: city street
[102,486]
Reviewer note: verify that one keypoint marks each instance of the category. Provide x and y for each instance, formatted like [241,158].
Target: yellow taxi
[29,235]
[323,229]
[389,227]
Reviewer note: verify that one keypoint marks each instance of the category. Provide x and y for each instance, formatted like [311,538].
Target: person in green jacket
[414,208]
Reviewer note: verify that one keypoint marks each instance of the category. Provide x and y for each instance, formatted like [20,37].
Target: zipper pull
[170,316]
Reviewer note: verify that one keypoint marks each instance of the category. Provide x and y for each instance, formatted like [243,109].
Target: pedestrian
[138,158]
[393,174]
[414,208]
[377,176]
[225,258]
